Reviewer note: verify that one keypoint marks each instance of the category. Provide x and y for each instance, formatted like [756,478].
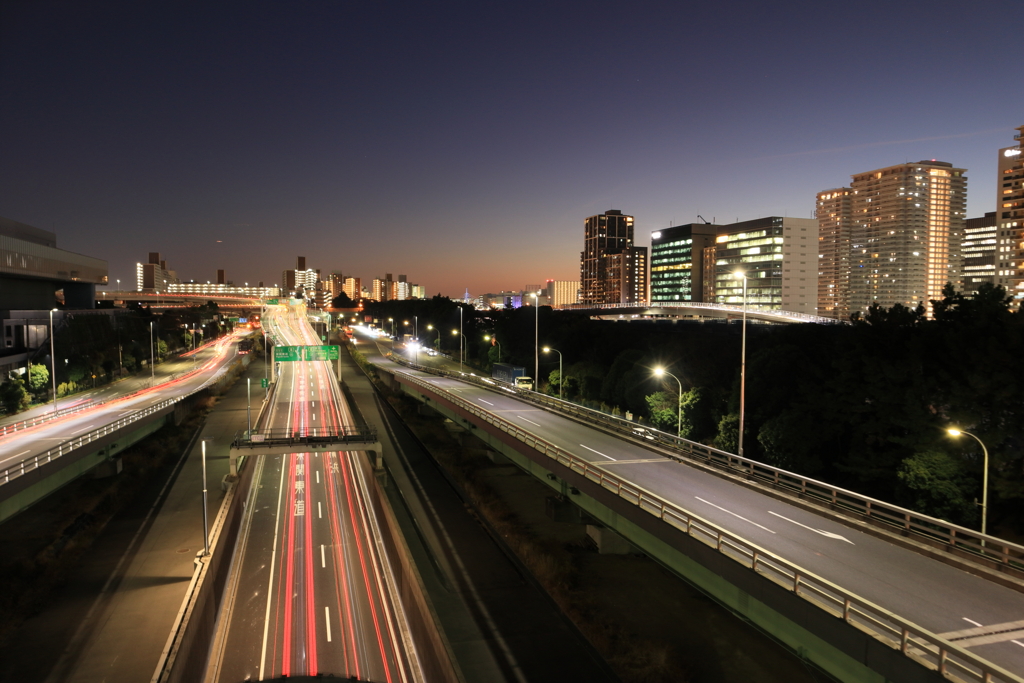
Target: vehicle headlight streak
[365,595]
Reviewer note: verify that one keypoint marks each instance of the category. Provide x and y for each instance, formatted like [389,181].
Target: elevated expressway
[693,310]
[311,591]
[41,454]
[862,603]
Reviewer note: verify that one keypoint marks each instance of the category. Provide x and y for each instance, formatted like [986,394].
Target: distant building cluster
[154,277]
[900,234]
[896,235]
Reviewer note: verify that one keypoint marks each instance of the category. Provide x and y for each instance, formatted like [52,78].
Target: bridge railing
[1005,556]
[33,421]
[27,465]
[916,642]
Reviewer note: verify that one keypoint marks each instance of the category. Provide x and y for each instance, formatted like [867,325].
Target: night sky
[463,143]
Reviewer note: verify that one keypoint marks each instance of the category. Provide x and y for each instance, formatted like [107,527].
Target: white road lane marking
[599,453]
[827,534]
[972,622]
[319,512]
[734,514]
[327,618]
[82,429]
[273,557]
[318,474]
[487,402]
[22,453]
[323,558]
[530,421]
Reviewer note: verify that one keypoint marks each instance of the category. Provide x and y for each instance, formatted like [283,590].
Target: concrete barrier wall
[184,657]
[436,659]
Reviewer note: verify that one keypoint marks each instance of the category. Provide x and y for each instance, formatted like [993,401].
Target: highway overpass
[693,310]
[861,601]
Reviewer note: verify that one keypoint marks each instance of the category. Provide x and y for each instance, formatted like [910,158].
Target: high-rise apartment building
[300,277]
[677,262]
[154,276]
[905,231]
[834,211]
[979,251]
[1010,217]
[563,292]
[778,255]
[906,235]
[610,263]
[353,288]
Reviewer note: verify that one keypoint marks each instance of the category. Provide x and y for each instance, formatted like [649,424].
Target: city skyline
[439,142]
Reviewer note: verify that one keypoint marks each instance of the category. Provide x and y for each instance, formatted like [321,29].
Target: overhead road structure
[39,456]
[858,604]
[170,301]
[693,310]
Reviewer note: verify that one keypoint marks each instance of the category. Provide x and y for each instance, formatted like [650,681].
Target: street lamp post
[743,360]
[462,338]
[679,413]
[536,346]
[561,378]
[984,476]
[462,342]
[53,364]
[152,355]
[431,327]
[206,523]
[494,337]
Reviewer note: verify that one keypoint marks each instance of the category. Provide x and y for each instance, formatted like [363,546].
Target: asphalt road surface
[313,590]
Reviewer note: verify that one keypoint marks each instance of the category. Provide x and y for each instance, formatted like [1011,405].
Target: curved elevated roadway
[985,618]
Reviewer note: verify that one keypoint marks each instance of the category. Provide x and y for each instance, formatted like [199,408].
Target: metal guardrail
[29,464]
[309,437]
[914,641]
[33,421]
[1008,556]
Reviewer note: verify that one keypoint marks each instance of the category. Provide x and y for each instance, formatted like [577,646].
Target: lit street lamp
[489,337]
[462,338]
[679,418]
[561,378]
[984,484]
[431,327]
[53,364]
[536,346]
[743,359]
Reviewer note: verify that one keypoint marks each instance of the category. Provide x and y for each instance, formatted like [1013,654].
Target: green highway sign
[264,383]
[288,353]
[294,353]
[271,302]
[321,353]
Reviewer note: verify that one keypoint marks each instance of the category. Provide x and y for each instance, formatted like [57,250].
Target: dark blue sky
[463,143]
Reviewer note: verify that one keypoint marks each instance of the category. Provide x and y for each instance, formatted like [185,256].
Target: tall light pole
[561,378]
[462,338]
[431,327]
[743,359]
[658,372]
[536,346]
[206,523]
[53,364]
[984,484]
[494,337]
[152,355]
